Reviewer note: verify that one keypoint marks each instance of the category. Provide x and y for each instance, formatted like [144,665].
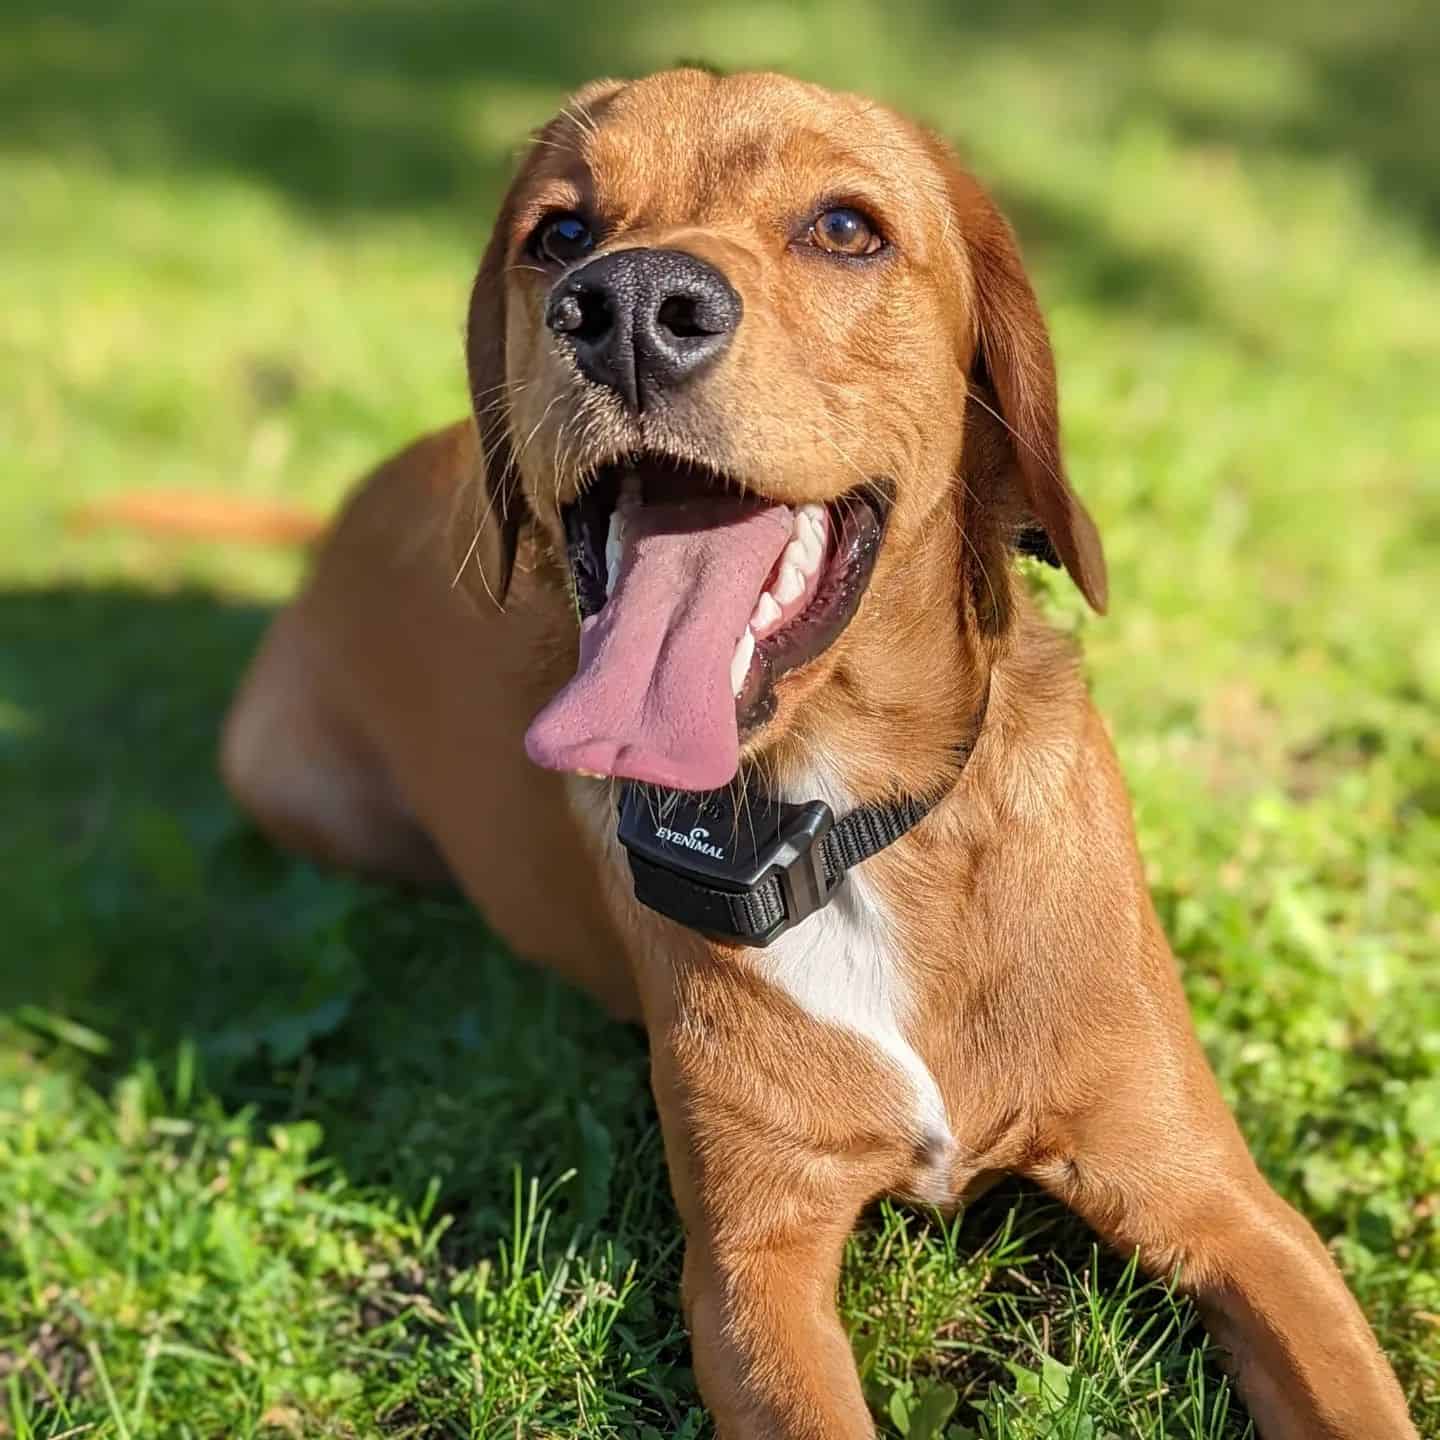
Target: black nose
[642,321]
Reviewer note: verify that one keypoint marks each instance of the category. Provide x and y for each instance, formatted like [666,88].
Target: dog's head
[739,349]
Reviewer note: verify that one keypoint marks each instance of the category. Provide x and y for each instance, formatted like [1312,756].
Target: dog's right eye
[845,231]
[562,238]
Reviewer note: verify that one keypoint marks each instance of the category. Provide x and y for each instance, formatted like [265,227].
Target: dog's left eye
[844,231]
[562,238]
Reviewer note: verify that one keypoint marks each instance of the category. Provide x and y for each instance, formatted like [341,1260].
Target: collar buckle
[744,875]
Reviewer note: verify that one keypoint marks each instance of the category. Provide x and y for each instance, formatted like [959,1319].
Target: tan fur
[381,728]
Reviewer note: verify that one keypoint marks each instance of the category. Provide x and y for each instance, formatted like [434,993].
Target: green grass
[284,1154]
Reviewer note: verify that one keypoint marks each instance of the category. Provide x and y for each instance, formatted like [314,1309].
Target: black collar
[747,867]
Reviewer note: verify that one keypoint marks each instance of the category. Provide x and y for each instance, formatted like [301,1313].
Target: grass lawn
[283,1154]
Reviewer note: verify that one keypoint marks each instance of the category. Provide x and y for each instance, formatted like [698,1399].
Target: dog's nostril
[581,314]
[680,315]
[566,316]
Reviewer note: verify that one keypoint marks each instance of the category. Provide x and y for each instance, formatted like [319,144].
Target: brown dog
[762,393]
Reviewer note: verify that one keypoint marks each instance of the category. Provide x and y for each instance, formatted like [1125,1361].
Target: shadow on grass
[140,904]
[339,107]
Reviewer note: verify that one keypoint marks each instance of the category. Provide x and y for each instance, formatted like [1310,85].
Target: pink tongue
[651,699]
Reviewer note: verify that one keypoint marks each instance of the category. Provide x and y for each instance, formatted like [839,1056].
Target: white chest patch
[840,967]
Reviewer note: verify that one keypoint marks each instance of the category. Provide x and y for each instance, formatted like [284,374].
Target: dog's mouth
[695,596]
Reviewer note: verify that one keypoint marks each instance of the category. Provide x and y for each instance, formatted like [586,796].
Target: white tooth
[791,584]
[815,514]
[814,546]
[767,612]
[804,553]
[740,663]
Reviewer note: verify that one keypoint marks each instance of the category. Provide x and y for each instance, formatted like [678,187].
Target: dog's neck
[909,681]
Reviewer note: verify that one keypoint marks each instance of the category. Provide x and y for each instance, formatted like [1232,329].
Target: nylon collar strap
[746,868]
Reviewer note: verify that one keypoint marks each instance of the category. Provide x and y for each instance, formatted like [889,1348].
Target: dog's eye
[845,232]
[562,238]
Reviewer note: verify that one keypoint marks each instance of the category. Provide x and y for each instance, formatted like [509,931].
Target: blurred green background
[285,1154]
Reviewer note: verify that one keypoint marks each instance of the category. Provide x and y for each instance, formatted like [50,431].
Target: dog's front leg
[1158,1166]
[765,1226]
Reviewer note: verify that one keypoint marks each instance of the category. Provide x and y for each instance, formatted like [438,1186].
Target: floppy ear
[1013,363]
[499,490]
